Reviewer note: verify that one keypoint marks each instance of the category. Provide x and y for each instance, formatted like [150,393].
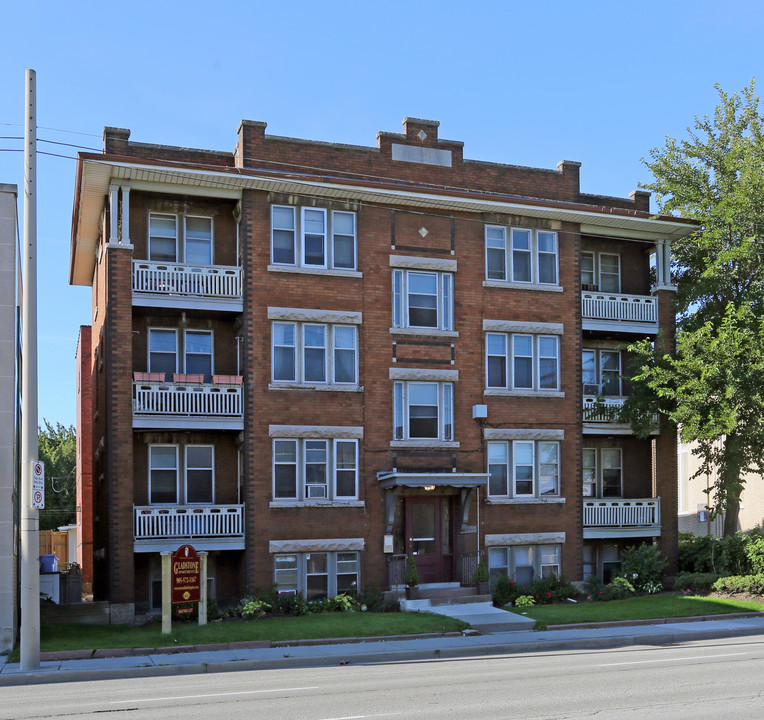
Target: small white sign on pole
[38,485]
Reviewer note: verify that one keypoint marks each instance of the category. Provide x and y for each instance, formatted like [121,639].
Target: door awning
[390,479]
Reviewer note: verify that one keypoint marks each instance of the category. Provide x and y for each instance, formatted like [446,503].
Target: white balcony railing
[602,409]
[194,280]
[214,521]
[619,308]
[603,513]
[156,398]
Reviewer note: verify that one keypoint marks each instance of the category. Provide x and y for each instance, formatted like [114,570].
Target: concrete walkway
[482,616]
[375,650]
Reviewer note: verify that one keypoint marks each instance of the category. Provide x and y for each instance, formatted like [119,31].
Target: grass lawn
[325,625]
[663,605]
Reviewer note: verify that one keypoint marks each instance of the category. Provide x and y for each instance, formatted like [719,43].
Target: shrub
[342,603]
[481,572]
[753,584]
[753,547]
[505,590]
[708,554]
[699,582]
[255,609]
[525,601]
[618,589]
[552,589]
[411,576]
[643,566]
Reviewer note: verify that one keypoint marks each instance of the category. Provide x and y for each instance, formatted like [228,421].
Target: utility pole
[30,537]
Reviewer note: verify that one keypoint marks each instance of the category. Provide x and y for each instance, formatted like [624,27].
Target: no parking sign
[38,485]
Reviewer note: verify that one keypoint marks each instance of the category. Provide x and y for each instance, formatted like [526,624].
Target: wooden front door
[426,527]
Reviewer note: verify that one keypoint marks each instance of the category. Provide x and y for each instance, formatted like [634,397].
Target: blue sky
[518,82]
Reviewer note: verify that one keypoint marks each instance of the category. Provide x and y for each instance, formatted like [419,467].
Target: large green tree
[58,450]
[710,387]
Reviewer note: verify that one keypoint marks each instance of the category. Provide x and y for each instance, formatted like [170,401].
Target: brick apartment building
[312,360]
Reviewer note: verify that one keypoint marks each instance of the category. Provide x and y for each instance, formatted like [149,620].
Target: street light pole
[30,538]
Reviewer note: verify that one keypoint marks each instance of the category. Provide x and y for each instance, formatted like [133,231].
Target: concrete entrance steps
[464,603]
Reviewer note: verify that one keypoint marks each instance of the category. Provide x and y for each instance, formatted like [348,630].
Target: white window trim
[331,569]
[598,368]
[533,497]
[185,472]
[177,348]
[177,474]
[299,265]
[331,472]
[534,283]
[599,467]
[329,383]
[212,237]
[149,236]
[402,304]
[509,364]
[511,567]
[199,331]
[445,391]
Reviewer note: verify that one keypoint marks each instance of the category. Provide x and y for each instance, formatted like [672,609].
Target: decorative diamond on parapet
[422,135]
[423,231]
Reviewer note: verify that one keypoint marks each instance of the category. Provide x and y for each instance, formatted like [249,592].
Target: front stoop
[463,603]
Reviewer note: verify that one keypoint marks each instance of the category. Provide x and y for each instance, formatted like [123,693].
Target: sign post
[183,573]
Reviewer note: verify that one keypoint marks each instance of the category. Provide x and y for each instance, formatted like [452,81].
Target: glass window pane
[344,223]
[283,218]
[198,342]
[162,340]
[547,242]
[163,457]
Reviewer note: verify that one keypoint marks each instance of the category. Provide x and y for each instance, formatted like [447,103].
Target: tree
[57,449]
[710,388]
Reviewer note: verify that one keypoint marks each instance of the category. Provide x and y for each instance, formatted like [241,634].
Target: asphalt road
[705,679]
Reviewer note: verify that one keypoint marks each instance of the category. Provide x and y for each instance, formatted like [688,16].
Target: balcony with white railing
[206,527]
[619,312]
[602,416]
[158,284]
[605,517]
[187,405]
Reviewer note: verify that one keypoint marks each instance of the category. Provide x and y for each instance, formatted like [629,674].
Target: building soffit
[97,174]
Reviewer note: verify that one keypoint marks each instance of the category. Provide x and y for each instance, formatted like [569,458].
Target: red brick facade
[417,203]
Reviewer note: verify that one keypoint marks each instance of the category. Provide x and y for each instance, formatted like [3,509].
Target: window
[603,472]
[193,248]
[523,468]
[530,258]
[601,272]
[601,372]
[524,563]
[314,353]
[423,411]
[315,469]
[196,355]
[163,351]
[165,474]
[522,362]
[423,299]
[316,575]
[313,238]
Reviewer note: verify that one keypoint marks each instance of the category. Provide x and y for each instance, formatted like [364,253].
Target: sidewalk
[376,650]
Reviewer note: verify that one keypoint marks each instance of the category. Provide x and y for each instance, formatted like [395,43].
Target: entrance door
[425,529]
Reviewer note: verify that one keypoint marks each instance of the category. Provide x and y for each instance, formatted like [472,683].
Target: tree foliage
[58,450]
[711,387]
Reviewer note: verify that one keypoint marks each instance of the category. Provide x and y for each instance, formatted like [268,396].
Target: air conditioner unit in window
[591,389]
[316,491]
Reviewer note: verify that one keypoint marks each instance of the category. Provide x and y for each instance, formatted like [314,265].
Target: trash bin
[48,563]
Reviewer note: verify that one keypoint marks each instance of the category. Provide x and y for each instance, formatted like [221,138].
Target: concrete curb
[437,648]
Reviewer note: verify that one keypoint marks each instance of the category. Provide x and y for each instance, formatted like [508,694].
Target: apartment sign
[185,573]
[38,485]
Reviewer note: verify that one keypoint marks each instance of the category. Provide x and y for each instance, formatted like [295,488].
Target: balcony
[174,285]
[622,313]
[604,518]
[601,416]
[208,527]
[186,405]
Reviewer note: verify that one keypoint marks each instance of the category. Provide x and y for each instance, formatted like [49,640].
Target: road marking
[360,717]
[681,659]
[192,697]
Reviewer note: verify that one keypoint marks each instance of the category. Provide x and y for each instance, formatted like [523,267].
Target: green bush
[699,582]
[643,566]
[754,551]
[547,590]
[708,554]
[525,601]
[618,589]
[255,609]
[481,572]
[753,584]
[505,590]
